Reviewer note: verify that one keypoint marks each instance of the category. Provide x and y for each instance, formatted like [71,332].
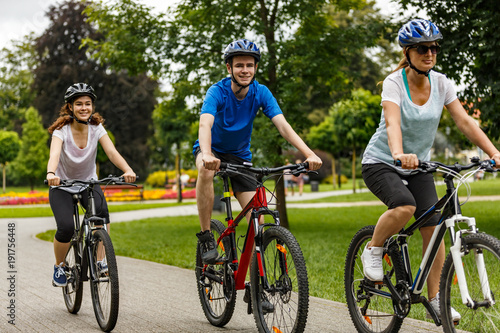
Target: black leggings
[61,203]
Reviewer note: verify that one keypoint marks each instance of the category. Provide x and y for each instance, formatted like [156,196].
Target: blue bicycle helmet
[241,47]
[418,31]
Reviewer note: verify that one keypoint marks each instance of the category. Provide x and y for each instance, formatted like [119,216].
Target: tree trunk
[334,173]
[281,201]
[353,170]
[3,177]
[178,175]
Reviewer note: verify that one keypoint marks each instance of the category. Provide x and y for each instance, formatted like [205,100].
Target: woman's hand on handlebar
[314,162]
[53,180]
[408,161]
[129,176]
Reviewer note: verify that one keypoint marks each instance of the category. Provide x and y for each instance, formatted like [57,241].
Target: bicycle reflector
[281,248]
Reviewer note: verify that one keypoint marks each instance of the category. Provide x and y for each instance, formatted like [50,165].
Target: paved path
[153,297]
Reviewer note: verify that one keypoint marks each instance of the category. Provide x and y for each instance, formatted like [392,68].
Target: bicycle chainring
[402,308]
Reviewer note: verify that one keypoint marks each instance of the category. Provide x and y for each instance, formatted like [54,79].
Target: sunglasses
[423,49]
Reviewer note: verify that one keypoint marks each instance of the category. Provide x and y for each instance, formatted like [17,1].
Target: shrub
[157,179]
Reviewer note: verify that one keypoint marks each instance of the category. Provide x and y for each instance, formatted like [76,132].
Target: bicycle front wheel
[74,289]
[280,299]
[371,312]
[104,288]
[485,317]
[216,288]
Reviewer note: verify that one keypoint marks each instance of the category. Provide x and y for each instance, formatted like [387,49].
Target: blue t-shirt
[233,123]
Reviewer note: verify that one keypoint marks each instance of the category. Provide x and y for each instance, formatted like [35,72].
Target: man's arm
[205,139]
[288,133]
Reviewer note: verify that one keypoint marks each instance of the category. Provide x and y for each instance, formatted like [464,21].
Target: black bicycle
[278,295]
[469,282]
[91,256]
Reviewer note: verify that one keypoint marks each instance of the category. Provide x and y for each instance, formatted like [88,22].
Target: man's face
[243,69]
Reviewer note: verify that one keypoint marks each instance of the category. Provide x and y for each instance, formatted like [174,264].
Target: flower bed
[27,198]
[37,197]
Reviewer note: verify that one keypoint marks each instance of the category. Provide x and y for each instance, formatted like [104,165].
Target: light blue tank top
[419,123]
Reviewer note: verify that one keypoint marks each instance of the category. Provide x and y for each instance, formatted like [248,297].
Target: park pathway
[153,297]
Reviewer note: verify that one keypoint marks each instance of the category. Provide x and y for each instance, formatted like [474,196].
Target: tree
[126,102]
[9,148]
[299,65]
[470,51]
[31,162]
[172,122]
[16,78]
[350,125]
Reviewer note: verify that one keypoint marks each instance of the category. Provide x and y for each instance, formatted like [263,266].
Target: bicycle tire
[217,293]
[482,319]
[370,313]
[286,274]
[73,291]
[104,290]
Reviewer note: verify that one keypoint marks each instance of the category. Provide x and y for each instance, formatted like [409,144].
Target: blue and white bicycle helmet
[241,47]
[418,31]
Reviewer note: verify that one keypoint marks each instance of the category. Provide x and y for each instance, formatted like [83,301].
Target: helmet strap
[242,86]
[426,73]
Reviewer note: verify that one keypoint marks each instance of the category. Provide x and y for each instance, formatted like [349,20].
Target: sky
[20,17]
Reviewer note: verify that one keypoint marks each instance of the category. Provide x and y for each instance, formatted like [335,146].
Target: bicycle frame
[83,233]
[258,206]
[451,212]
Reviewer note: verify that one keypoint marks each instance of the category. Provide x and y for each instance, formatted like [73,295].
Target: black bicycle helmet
[241,47]
[77,90]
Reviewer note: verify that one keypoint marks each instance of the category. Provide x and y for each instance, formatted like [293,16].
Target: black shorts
[395,189]
[238,183]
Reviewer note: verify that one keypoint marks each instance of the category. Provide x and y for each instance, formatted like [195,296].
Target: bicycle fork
[457,253]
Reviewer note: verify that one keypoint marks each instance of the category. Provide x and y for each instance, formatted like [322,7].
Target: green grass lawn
[324,235]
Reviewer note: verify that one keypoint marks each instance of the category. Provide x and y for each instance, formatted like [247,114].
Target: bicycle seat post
[227,196]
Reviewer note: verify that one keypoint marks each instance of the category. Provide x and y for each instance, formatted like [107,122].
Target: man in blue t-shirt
[226,124]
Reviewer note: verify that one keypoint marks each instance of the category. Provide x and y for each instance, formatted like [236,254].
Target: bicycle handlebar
[432,166]
[110,180]
[295,168]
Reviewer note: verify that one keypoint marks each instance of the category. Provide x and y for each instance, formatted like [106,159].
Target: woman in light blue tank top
[413,98]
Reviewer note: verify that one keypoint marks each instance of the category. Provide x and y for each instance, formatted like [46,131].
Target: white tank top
[75,162]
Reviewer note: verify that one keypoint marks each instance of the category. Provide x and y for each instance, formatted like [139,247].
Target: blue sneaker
[59,279]
[102,266]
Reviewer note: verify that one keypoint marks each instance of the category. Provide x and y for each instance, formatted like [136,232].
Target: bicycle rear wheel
[104,290]
[371,312]
[216,288]
[483,318]
[282,305]
[74,289]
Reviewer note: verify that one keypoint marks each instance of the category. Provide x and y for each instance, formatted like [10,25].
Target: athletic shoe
[372,263]
[59,278]
[208,247]
[455,316]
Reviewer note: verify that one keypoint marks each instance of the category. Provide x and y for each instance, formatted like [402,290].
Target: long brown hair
[65,117]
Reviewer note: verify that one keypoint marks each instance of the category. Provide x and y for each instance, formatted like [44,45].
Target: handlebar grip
[223,165]
[306,165]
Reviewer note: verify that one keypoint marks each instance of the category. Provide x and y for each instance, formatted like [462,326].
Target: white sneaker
[455,316]
[372,263]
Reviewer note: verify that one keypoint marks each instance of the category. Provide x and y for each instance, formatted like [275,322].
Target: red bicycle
[278,292]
